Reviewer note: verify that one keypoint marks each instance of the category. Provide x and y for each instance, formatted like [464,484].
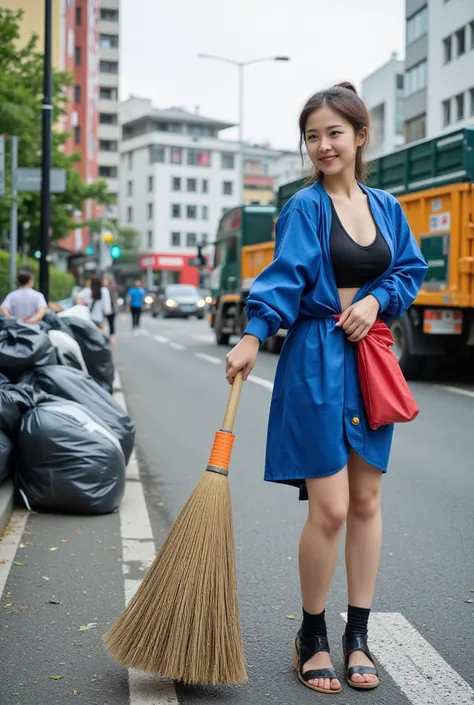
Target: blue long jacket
[317,413]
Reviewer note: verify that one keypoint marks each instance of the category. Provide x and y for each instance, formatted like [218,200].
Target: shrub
[60,286]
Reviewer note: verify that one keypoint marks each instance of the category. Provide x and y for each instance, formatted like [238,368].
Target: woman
[98,300]
[110,313]
[341,248]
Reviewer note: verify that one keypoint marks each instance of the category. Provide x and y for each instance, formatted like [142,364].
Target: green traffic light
[115,252]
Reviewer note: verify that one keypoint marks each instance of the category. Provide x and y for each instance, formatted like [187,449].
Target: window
[150,211]
[130,160]
[399,117]
[150,184]
[175,239]
[192,185]
[417,25]
[459,106]
[197,157]
[400,81]
[129,214]
[78,16]
[175,210]
[448,49]
[156,154]
[415,129]
[205,213]
[231,250]
[108,145]
[108,67]
[109,41]
[129,188]
[77,134]
[109,15]
[107,93]
[198,131]
[471,94]
[191,239]
[175,127]
[176,183]
[77,56]
[415,78]
[227,188]
[108,172]
[446,112]
[227,161]
[191,212]
[77,93]
[176,155]
[108,118]
[149,238]
[205,186]
[461,41]
[224,210]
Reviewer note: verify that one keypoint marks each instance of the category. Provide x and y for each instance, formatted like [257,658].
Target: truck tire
[411,365]
[274,344]
[221,338]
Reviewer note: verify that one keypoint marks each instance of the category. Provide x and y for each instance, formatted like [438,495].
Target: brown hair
[96,288]
[343,99]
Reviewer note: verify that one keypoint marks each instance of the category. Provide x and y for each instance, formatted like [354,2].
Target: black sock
[357,619]
[314,624]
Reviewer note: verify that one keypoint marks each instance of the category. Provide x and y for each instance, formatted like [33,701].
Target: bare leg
[363,542]
[328,503]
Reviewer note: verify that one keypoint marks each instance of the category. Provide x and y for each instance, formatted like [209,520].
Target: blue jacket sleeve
[275,295]
[400,288]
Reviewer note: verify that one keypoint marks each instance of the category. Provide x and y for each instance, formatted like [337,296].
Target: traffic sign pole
[13,212]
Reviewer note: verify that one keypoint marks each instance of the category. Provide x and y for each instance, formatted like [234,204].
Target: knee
[365,504]
[330,518]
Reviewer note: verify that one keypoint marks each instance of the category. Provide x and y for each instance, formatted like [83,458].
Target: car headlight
[208,299]
[148,300]
[170,303]
[201,303]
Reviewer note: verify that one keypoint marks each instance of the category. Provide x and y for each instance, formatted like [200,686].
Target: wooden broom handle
[232,404]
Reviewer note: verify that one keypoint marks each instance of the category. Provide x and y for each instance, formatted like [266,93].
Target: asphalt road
[173,379]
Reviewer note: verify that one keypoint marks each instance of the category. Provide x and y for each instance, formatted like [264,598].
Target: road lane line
[454,390]
[208,358]
[415,666]
[177,346]
[144,332]
[261,382]
[138,553]
[161,339]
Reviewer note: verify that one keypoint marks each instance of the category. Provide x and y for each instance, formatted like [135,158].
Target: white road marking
[204,337]
[9,545]
[138,550]
[261,382]
[208,358]
[161,339]
[454,390]
[177,346]
[415,666]
[144,332]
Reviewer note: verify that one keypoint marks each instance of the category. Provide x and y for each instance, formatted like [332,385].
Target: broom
[183,621]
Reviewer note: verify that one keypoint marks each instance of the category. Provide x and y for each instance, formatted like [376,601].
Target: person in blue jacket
[135,296]
[341,248]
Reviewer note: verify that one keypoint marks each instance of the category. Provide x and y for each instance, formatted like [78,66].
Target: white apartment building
[109,127]
[287,167]
[382,92]
[177,179]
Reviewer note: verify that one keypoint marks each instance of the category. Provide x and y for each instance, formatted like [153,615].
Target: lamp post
[241,66]
[46,153]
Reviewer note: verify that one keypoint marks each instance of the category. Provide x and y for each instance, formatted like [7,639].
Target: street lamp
[241,65]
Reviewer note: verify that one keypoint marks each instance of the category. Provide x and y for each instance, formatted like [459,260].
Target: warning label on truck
[440,222]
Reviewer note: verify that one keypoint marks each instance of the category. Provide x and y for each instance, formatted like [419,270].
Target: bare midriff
[347,297]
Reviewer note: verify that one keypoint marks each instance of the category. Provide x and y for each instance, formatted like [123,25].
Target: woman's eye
[335,132]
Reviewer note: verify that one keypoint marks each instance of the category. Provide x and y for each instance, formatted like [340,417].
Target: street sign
[2,166]
[30,180]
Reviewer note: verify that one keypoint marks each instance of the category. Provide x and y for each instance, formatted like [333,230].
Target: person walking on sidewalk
[341,248]
[135,296]
[97,298]
[25,303]
[112,311]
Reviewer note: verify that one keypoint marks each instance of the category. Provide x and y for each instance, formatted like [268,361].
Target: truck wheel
[410,364]
[274,344]
[221,338]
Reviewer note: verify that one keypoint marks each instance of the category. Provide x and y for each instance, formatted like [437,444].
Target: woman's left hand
[358,319]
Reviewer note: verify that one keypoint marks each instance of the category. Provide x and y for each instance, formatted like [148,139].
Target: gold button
[356,421]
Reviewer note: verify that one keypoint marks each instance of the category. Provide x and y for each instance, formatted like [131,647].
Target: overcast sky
[327,40]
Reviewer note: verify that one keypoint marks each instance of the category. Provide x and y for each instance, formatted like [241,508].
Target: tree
[21,89]
[128,239]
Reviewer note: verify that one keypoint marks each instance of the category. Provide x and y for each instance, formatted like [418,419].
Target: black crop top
[354,265]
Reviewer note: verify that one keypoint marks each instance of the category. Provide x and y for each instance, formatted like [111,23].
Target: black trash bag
[71,384]
[22,348]
[6,450]
[51,321]
[69,462]
[15,400]
[95,350]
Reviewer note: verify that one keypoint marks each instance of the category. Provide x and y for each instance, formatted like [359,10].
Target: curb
[6,503]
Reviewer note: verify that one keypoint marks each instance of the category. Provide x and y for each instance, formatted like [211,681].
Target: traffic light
[107,236]
[89,250]
[115,251]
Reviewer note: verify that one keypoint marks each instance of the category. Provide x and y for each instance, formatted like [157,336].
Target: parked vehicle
[178,300]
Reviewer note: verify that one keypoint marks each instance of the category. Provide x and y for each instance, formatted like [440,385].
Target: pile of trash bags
[63,437]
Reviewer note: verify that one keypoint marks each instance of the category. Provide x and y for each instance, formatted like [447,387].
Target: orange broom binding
[221,451]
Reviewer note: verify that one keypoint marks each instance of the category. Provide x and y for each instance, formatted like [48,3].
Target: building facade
[177,178]
[382,92]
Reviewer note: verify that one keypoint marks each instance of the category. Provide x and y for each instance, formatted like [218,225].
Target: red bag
[387,396]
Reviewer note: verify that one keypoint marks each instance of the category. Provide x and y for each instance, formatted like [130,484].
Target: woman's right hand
[242,357]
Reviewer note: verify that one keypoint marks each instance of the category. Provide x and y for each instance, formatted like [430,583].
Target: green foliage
[21,89]
[61,284]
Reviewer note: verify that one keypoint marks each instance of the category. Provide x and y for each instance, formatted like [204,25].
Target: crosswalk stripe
[415,666]
[177,346]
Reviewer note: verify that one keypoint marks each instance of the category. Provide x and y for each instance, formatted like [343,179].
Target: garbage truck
[433,180]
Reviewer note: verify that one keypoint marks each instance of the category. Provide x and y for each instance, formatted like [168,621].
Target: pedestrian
[110,315]
[97,298]
[341,248]
[25,303]
[135,296]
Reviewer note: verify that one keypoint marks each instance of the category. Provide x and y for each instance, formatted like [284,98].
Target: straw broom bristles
[183,621]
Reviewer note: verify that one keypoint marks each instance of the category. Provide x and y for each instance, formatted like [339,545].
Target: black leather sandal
[305,647]
[358,643]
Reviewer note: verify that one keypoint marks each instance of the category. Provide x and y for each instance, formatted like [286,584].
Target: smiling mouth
[329,160]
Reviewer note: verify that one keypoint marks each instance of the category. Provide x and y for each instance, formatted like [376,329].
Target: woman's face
[105,282]
[331,142]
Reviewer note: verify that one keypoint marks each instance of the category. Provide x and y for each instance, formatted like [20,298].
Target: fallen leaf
[44,577]
[56,678]
[2,561]
[290,616]
[18,563]
[470,601]
[54,548]
[9,604]
[64,540]
[86,627]
[75,692]
[54,602]
[78,531]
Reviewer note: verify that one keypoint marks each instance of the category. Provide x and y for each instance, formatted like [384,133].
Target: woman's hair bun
[348,85]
